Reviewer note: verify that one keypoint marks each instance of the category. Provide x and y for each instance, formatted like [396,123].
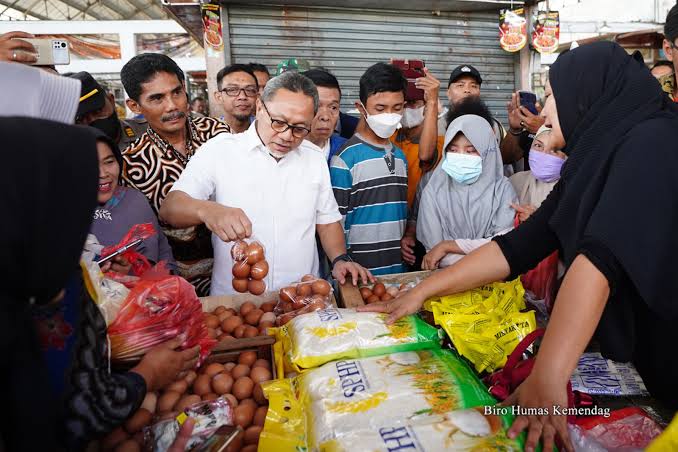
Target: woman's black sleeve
[533,240]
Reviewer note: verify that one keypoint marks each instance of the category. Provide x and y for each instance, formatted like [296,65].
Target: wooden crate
[349,295]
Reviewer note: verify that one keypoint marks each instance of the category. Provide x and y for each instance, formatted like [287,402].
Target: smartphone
[103,260]
[529,101]
[412,70]
[50,51]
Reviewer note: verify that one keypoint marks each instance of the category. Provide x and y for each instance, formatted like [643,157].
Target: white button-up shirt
[283,199]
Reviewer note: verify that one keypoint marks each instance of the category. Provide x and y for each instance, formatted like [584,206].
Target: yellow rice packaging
[313,339]
[377,403]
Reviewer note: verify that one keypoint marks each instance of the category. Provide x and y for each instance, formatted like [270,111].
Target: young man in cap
[670,44]
[152,164]
[97,109]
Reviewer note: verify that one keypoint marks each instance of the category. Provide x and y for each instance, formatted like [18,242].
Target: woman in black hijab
[613,216]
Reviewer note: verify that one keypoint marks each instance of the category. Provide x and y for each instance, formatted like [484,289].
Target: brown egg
[267,317]
[240,331]
[179,386]
[379,289]
[187,401]
[250,448]
[386,297]
[129,445]
[288,294]
[308,277]
[241,270]
[285,318]
[255,253]
[231,400]
[213,369]
[150,402]
[239,250]
[321,287]
[373,299]
[259,270]
[202,385]
[212,333]
[230,324]
[254,316]
[229,366]
[251,331]
[222,383]
[224,315]
[247,358]
[260,416]
[261,363]
[252,434]
[246,308]
[365,292]
[210,396]
[269,306]
[260,374]
[249,402]
[258,394]
[225,337]
[218,310]
[240,285]
[190,377]
[256,287]
[211,320]
[242,388]
[304,290]
[263,328]
[117,436]
[243,415]
[241,370]
[167,401]
[139,420]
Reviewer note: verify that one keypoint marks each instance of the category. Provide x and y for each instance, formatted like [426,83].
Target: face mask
[545,167]
[110,126]
[383,124]
[412,117]
[463,168]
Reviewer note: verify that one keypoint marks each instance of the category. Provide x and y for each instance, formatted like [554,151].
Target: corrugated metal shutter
[347,41]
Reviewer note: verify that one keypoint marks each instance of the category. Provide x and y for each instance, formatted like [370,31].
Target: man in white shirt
[270,184]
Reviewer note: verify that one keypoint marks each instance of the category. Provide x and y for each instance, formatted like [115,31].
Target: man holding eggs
[268,182]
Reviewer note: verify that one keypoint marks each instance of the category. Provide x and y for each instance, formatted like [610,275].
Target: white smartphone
[51,51]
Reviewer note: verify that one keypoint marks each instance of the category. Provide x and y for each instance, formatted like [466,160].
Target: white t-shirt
[284,201]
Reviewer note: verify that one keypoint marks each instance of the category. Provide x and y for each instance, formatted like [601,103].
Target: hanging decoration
[546,31]
[211,19]
[512,29]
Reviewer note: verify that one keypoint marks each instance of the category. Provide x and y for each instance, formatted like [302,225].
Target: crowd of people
[410,184]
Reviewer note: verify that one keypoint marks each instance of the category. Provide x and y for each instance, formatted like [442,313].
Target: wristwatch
[341,257]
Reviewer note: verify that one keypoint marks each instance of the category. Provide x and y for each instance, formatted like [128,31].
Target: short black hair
[257,67]
[235,68]
[196,99]
[143,67]
[380,78]
[671,24]
[661,63]
[470,106]
[322,78]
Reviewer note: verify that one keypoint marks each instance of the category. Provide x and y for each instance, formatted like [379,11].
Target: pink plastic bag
[628,428]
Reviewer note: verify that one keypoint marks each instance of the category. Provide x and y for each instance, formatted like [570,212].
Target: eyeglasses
[282,126]
[234,91]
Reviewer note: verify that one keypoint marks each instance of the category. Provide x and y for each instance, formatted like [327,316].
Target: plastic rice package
[308,295]
[209,416]
[311,340]
[597,375]
[353,402]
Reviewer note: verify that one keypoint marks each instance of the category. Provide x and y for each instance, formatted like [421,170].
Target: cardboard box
[349,295]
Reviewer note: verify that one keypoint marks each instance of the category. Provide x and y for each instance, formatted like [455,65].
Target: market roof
[82,9]
[651,38]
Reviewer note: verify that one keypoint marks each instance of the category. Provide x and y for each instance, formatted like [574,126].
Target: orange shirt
[415,167]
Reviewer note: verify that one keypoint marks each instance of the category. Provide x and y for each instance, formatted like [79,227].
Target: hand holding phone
[50,52]
[529,101]
[14,47]
[412,70]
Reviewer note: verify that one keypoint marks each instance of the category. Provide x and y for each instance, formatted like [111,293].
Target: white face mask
[383,124]
[413,117]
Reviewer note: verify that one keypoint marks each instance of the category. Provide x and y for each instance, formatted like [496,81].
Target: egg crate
[349,295]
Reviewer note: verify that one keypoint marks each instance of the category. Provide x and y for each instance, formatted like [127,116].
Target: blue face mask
[463,168]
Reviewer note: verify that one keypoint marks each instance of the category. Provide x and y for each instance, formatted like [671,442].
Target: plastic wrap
[250,267]
[156,311]
[597,375]
[308,295]
[139,262]
[311,340]
[625,430]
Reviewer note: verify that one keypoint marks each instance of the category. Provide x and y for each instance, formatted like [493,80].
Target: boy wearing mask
[369,174]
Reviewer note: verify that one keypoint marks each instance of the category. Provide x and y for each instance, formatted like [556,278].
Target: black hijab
[619,185]
[48,193]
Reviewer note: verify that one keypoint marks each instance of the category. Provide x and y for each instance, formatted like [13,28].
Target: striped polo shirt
[370,185]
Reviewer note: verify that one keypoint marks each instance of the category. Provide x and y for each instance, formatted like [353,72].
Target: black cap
[671,25]
[465,69]
[92,95]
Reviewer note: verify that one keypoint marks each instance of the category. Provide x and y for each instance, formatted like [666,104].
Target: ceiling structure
[81,9]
